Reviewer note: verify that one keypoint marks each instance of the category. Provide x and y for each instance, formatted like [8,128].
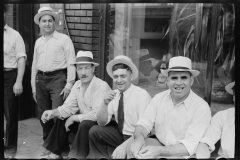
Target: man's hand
[47,115]
[70,120]
[34,97]
[17,88]
[135,148]
[150,152]
[120,152]
[65,93]
[109,96]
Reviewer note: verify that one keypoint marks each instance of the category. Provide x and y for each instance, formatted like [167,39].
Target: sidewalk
[30,140]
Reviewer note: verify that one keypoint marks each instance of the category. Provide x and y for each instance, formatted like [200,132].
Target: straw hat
[125,60]
[85,57]
[45,11]
[180,64]
[229,88]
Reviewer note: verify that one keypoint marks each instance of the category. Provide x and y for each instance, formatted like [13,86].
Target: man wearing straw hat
[126,104]
[179,116]
[86,96]
[222,127]
[14,67]
[52,75]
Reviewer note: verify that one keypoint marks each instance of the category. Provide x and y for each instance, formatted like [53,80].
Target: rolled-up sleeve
[70,106]
[20,48]
[97,102]
[70,58]
[197,128]
[149,116]
[213,133]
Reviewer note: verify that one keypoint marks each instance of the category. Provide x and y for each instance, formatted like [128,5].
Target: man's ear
[131,77]
[192,80]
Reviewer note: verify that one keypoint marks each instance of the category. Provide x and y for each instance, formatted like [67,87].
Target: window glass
[151,33]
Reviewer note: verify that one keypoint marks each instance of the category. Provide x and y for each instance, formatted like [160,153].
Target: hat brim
[117,61]
[95,64]
[229,87]
[37,16]
[195,73]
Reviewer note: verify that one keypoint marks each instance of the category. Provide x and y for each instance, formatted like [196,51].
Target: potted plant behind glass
[189,36]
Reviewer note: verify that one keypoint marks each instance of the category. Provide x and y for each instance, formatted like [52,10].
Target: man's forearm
[177,150]
[21,69]
[140,134]
[102,115]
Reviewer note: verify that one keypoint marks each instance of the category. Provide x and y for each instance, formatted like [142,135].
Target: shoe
[54,156]
[46,152]
[9,156]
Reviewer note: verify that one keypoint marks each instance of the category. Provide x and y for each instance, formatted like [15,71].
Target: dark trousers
[104,140]
[48,89]
[57,140]
[11,112]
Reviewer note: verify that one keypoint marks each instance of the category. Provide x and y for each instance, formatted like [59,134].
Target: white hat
[229,88]
[125,60]
[180,64]
[45,11]
[85,57]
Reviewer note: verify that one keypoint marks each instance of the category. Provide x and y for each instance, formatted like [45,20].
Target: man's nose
[179,81]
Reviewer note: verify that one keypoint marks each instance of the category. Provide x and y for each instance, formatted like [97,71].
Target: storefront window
[151,33]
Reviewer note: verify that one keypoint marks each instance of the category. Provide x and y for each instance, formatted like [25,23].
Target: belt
[8,70]
[53,72]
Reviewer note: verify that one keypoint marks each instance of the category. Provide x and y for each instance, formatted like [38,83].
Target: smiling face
[179,84]
[122,78]
[85,72]
[47,24]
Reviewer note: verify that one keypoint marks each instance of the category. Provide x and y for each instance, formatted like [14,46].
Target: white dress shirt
[14,47]
[135,101]
[52,54]
[88,102]
[222,126]
[184,123]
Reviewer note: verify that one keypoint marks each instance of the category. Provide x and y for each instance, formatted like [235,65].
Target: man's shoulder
[196,99]
[13,31]
[226,113]
[139,90]
[62,35]
[162,94]
[100,82]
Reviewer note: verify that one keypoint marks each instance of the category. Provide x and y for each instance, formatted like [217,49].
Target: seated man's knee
[94,131]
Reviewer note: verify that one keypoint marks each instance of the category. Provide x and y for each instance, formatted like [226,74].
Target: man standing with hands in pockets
[52,75]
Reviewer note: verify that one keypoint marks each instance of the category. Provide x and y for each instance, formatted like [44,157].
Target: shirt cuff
[60,114]
[189,146]
[208,141]
[69,85]
[21,54]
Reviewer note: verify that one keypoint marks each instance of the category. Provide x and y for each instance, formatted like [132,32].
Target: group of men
[121,123]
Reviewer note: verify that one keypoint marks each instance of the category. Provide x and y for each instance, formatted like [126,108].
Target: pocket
[7,47]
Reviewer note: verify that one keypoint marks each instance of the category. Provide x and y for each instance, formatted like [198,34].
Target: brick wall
[83,26]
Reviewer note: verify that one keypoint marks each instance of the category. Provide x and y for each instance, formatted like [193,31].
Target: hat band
[178,67]
[46,11]
[84,59]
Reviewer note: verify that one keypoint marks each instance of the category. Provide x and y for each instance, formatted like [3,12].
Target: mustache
[84,76]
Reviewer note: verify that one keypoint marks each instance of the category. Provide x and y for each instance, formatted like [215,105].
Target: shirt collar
[186,102]
[54,35]
[6,27]
[128,91]
[90,85]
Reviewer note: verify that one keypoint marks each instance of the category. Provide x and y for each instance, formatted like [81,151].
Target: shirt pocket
[7,48]
[57,52]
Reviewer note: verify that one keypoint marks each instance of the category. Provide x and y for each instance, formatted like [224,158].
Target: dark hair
[122,66]
[44,15]
[6,7]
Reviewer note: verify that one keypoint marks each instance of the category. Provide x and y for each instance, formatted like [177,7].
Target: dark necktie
[120,114]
